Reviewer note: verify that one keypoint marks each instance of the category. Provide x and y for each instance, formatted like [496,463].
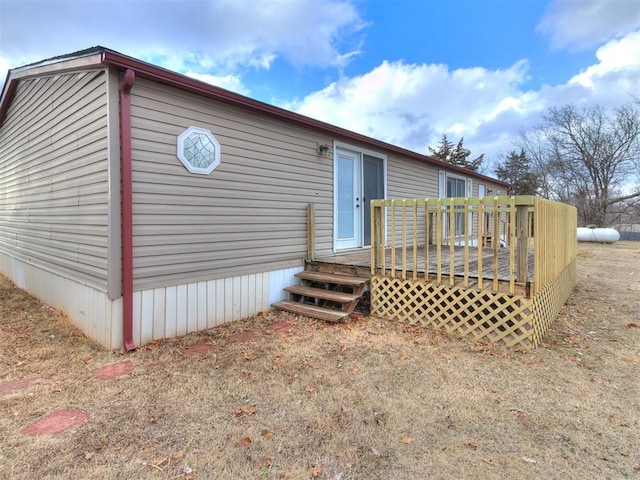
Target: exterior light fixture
[324,151]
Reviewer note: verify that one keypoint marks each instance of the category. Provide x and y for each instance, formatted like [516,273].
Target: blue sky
[403,71]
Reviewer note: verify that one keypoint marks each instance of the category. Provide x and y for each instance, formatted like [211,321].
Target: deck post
[311,232]
[377,247]
[522,243]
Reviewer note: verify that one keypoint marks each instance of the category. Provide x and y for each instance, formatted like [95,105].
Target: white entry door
[359,178]
[348,194]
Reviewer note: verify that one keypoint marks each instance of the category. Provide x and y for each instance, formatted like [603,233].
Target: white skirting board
[180,309]
[157,313]
[90,309]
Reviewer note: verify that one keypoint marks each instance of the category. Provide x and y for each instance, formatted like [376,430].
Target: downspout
[126,189]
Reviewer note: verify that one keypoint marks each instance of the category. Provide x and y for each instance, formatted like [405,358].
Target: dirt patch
[365,399]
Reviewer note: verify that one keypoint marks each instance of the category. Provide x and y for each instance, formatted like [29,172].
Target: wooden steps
[312,311]
[320,293]
[326,296]
[335,278]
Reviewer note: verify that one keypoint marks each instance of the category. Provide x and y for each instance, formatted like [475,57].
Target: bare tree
[590,158]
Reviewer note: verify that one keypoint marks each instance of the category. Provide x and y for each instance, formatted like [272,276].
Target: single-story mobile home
[146,204]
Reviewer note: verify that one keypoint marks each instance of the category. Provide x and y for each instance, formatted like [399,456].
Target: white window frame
[186,162]
[443,175]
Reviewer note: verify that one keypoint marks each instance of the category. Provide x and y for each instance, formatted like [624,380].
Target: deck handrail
[424,238]
[556,246]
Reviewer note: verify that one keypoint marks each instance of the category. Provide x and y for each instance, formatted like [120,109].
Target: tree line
[581,155]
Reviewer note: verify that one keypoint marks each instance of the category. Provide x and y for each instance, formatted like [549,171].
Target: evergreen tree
[517,171]
[456,155]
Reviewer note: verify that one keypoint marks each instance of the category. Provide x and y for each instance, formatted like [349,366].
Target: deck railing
[514,244]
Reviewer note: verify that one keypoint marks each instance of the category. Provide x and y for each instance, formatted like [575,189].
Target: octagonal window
[198,150]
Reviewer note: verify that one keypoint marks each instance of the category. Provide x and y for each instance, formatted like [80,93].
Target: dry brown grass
[364,400]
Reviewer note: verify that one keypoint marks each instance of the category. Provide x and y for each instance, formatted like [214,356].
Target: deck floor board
[362,258]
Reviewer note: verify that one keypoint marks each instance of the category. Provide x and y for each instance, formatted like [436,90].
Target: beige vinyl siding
[248,216]
[408,178]
[53,176]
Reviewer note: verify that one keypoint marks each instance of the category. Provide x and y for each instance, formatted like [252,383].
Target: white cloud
[410,105]
[413,105]
[228,82]
[618,66]
[4,67]
[581,25]
[205,37]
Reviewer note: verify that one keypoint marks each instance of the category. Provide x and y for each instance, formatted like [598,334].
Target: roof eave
[85,59]
[102,56]
[152,72]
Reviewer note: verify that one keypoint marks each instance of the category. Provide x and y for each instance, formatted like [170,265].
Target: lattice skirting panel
[478,315]
[547,303]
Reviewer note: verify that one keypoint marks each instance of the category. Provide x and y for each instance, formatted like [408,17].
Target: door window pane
[345,197]
[373,186]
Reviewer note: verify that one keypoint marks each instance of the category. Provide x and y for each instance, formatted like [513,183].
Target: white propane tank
[599,235]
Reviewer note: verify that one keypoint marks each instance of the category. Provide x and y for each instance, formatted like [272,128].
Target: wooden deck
[360,261]
[507,291]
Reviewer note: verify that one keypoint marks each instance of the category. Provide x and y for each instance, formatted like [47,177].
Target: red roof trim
[9,90]
[152,72]
[161,75]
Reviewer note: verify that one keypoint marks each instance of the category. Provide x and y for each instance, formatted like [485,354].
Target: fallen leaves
[407,441]
[632,325]
[245,411]
[317,471]
[176,457]
[278,362]
[243,442]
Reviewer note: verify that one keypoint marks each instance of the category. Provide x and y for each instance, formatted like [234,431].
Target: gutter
[126,191]
[167,77]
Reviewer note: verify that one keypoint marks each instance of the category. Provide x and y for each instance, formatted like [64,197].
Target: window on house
[198,150]
[452,185]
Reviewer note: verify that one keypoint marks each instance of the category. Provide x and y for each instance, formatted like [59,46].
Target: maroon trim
[146,70]
[10,87]
[161,75]
[126,189]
